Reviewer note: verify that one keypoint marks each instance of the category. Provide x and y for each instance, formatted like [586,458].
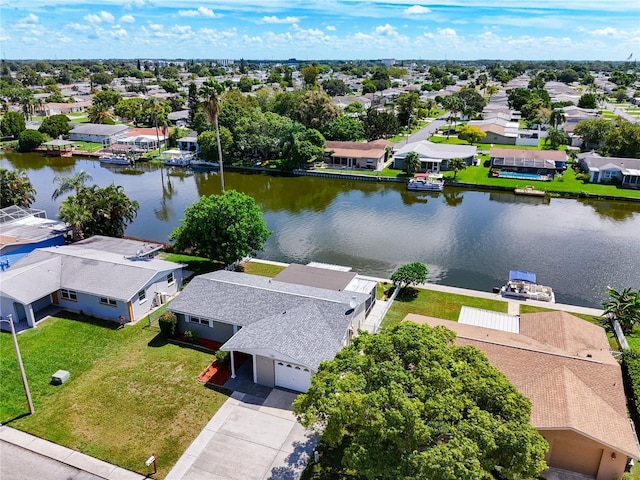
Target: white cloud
[102,17]
[200,12]
[416,10]
[31,18]
[387,30]
[78,27]
[331,28]
[274,19]
[156,27]
[446,32]
[127,19]
[606,32]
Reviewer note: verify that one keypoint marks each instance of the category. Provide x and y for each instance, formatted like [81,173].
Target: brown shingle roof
[375,149]
[568,389]
[555,155]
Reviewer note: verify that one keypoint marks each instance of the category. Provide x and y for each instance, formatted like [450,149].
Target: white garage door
[292,376]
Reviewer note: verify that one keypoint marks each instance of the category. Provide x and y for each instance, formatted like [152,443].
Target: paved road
[620,112]
[17,463]
[424,133]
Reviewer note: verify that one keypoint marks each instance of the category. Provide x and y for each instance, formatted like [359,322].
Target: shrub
[191,336]
[168,322]
[583,176]
[222,358]
[631,366]
[29,140]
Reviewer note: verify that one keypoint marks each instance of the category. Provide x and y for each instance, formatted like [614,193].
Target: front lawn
[436,304]
[88,146]
[130,393]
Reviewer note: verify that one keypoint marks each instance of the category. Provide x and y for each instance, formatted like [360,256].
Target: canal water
[469,239]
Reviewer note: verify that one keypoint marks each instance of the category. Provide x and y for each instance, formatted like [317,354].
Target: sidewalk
[67,456]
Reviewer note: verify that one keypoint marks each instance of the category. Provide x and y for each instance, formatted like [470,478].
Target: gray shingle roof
[306,324]
[98,129]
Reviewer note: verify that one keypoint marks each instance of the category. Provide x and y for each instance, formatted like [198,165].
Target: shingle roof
[572,380]
[357,149]
[517,153]
[98,129]
[86,270]
[299,321]
[427,149]
[604,163]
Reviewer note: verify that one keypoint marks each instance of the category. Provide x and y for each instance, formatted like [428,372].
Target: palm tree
[624,307]
[456,164]
[412,163]
[69,184]
[491,90]
[557,117]
[454,105]
[555,137]
[430,105]
[211,110]
[76,215]
[99,114]
[157,116]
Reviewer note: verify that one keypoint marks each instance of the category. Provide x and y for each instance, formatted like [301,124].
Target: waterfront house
[434,156]
[98,133]
[371,155]
[286,329]
[526,164]
[625,171]
[189,143]
[101,276]
[563,365]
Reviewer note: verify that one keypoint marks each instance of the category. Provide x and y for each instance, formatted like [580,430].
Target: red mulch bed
[215,375]
[203,342]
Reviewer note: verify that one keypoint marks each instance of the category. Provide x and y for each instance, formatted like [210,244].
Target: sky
[320,29]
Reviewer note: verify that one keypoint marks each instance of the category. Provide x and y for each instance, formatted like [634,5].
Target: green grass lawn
[88,146]
[436,304]
[130,394]
[198,265]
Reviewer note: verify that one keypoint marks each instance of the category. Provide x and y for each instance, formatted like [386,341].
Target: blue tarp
[521,275]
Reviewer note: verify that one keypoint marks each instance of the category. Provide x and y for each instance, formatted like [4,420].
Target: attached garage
[292,376]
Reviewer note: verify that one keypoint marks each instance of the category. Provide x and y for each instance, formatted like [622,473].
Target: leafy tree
[411,163]
[131,109]
[555,138]
[211,110]
[223,228]
[98,211]
[471,134]
[410,274]
[310,75]
[192,103]
[107,98]
[588,100]
[622,141]
[379,124]
[407,105]
[456,164]
[407,403]
[380,78]
[12,124]
[354,107]
[261,133]
[245,84]
[335,86]
[29,140]
[623,306]
[471,101]
[368,86]
[101,78]
[568,75]
[209,144]
[593,131]
[301,146]
[16,188]
[55,125]
[345,128]
[314,109]
[454,105]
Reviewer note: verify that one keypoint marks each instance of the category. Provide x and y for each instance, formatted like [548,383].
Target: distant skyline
[320,29]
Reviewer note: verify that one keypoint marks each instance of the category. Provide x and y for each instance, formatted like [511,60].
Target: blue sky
[321,29]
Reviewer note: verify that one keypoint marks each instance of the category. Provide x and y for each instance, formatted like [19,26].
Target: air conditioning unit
[163,298]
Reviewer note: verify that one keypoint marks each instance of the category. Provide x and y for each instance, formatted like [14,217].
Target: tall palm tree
[454,105]
[76,215]
[557,117]
[456,164]
[211,110]
[99,113]
[69,184]
[491,90]
[430,105]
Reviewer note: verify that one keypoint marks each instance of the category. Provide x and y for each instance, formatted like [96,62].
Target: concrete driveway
[249,438]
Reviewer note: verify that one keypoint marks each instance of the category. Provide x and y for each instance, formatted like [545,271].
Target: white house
[434,156]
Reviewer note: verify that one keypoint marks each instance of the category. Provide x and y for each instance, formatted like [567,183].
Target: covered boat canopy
[522,276]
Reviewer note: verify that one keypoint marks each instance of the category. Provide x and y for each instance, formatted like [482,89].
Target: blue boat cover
[521,275]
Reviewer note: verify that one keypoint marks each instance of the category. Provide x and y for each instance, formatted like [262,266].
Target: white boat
[522,285]
[177,158]
[430,182]
[116,160]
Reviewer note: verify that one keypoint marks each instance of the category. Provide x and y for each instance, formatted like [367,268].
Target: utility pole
[9,320]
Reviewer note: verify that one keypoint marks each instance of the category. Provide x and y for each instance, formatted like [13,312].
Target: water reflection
[469,239]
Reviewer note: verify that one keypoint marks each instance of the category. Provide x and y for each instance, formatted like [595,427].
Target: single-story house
[97,133]
[434,156]
[143,139]
[189,143]
[67,108]
[564,366]
[24,230]
[527,164]
[179,118]
[287,329]
[371,155]
[102,276]
[610,169]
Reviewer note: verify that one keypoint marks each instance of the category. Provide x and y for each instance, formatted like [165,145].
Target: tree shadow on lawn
[407,294]
[158,341]
[84,318]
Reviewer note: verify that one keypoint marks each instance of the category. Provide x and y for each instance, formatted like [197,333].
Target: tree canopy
[407,403]
[411,163]
[55,125]
[623,306]
[222,228]
[29,140]
[471,134]
[410,274]
[16,188]
[12,124]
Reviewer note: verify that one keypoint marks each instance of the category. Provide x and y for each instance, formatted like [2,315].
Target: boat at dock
[429,182]
[116,160]
[177,158]
[522,285]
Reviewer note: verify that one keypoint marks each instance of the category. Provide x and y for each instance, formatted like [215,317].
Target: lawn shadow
[158,341]
[17,417]
[84,318]
[407,294]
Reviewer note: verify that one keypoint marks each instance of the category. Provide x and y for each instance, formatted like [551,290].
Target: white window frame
[109,302]
[199,320]
[70,295]
[142,296]
[171,279]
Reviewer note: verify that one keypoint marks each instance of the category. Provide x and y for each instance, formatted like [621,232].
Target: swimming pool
[520,176]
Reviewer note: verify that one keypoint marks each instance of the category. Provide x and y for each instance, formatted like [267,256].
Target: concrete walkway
[67,456]
[249,438]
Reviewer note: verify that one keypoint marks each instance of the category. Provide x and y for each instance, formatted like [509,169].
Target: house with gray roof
[98,133]
[286,329]
[601,169]
[104,277]
[434,156]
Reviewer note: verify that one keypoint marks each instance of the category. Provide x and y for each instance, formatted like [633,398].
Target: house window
[609,174]
[108,301]
[69,294]
[200,320]
[170,279]
[142,296]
